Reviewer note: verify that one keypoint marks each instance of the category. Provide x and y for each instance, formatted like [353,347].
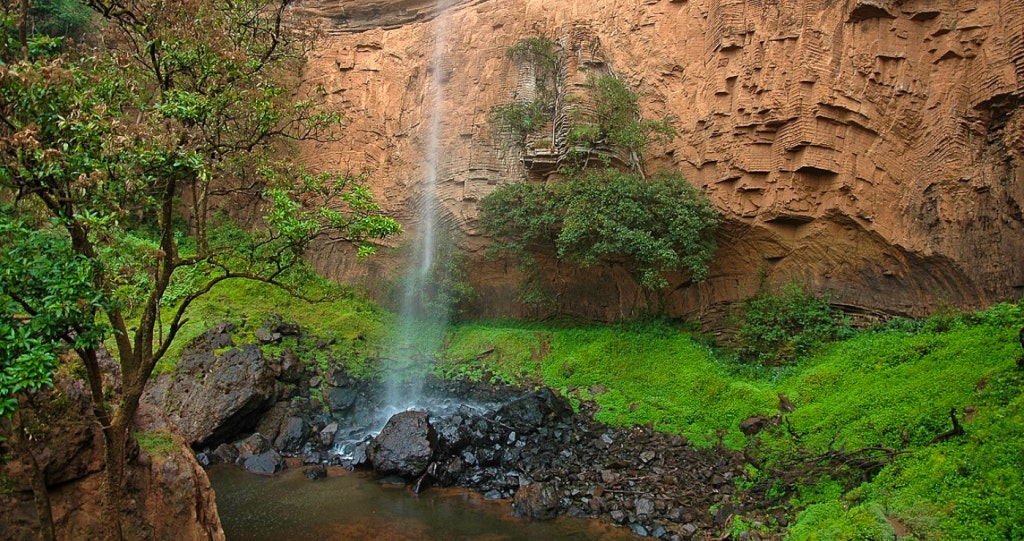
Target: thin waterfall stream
[422,320]
[354,505]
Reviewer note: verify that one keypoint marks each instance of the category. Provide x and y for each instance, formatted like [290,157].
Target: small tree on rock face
[655,225]
[97,149]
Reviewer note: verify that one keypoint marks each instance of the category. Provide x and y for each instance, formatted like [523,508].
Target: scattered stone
[537,501]
[315,473]
[267,463]
[644,507]
[265,336]
[638,529]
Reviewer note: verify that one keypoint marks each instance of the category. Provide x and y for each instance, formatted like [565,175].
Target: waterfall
[422,320]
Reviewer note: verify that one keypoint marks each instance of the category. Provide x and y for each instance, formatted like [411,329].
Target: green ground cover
[892,388]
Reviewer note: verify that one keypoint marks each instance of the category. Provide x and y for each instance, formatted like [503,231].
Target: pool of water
[355,506]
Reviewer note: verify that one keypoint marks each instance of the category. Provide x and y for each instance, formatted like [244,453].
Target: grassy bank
[351,327]
[889,388]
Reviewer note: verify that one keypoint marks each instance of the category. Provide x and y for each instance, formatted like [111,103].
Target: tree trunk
[19,441]
[115,440]
[202,197]
[23,29]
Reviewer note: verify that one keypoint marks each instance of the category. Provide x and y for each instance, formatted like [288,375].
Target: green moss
[637,374]
[158,443]
[356,325]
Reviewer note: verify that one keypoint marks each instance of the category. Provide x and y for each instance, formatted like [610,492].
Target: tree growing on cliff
[102,151]
[652,226]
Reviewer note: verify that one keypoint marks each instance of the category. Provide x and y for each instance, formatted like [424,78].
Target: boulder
[315,473]
[340,399]
[255,444]
[537,501]
[529,412]
[267,463]
[405,446]
[214,395]
[292,435]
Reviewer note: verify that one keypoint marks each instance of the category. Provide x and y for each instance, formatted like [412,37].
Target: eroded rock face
[870,148]
[168,495]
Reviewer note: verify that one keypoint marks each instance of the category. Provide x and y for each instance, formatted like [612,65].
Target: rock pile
[530,448]
[550,461]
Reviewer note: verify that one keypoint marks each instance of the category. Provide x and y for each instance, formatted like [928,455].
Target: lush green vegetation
[780,327]
[615,120]
[351,327]
[106,145]
[890,388]
[522,118]
[655,225]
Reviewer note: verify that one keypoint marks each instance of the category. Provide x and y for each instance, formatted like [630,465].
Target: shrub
[655,225]
[616,119]
[777,328]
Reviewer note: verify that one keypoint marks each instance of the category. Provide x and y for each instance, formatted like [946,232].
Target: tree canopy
[654,225]
[112,155]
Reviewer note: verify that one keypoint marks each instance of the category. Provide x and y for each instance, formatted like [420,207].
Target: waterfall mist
[423,314]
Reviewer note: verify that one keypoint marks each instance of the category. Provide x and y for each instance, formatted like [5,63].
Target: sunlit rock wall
[870,148]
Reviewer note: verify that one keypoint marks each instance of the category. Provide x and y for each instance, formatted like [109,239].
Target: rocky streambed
[239,405]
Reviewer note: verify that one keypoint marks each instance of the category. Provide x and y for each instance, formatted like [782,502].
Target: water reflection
[352,506]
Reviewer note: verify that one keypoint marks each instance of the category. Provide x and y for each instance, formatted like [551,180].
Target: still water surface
[354,506]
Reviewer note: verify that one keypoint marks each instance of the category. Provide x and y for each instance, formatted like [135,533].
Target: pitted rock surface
[870,148]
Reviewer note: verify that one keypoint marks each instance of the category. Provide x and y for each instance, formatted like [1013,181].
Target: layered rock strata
[870,148]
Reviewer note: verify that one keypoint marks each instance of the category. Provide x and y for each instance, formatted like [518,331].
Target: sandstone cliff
[169,495]
[871,148]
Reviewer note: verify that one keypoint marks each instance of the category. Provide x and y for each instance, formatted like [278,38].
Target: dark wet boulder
[452,434]
[537,501]
[216,394]
[341,399]
[527,413]
[225,454]
[253,445]
[292,367]
[267,463]
[293,433]
[315,473]
[405,446]
[273,419]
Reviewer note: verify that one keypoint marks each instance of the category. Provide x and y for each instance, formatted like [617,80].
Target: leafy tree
[615,121]
[102,151]
[659,224]
[655,225]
